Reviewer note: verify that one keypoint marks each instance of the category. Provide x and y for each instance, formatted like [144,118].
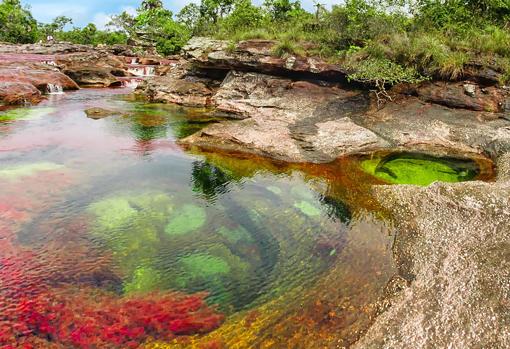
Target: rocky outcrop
[416,125]
[23,83]
[19,93]
[289,120]
[452,247]
[45,49]
[92,69]
[169,89]
[36,74]
[258,56]
[465,95]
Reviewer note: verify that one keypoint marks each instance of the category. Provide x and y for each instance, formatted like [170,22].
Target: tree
[283,10]
[16,23]
[153,27]
[54,27]
[244,16]
[148,5]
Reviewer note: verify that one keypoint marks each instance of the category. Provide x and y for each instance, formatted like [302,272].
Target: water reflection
[209,181]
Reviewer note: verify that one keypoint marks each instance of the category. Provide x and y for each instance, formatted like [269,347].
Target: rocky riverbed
[452,243]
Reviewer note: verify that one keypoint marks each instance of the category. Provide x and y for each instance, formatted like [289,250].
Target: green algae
[186,219]
[202,265]
[420,169]
[226,276]
[235,235]
[307,208]
[25,114]
[144,279]
[116,211]
[129,225]
[17,172]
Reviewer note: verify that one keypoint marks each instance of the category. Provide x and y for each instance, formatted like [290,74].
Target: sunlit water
[114,236]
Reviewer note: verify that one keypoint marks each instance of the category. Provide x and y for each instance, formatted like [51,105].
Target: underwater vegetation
[39,310]
[161,245]
[25,113]
[16,172]
[420,169]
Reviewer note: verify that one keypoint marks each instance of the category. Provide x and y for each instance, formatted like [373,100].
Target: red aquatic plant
[32,312]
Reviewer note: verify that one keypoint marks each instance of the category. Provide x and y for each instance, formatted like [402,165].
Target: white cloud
[48,11]
[129,9]
[101,19]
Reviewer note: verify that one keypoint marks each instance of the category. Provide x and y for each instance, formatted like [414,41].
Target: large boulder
[289,120]
[38,75]
[258,56]
[171,89]
[19,93]
[92,69]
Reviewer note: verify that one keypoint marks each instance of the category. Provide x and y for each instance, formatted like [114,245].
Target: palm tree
[151,4]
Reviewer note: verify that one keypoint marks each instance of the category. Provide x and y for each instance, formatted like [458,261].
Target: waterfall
[54,89]
[142,70]
[52,63]
[149,71]
[134,60]
[130,83]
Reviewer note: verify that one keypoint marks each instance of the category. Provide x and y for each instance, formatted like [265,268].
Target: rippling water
[113,236]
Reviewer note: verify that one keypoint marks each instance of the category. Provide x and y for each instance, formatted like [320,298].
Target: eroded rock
[18,93]
[464,96]
[452,245]
[295,121]
[171,89]
[258,56]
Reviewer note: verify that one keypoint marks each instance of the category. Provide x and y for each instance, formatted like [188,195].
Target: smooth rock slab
[452,245]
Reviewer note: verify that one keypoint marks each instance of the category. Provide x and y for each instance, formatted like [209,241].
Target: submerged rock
[100,113]
[186,219]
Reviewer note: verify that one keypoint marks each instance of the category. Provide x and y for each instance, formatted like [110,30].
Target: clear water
[114,236]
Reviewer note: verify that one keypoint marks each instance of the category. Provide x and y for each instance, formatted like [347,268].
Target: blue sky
[97,11]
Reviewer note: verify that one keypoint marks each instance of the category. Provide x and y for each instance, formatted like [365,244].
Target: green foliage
[90,35]
[286,47]
[154,24]
[16,23]
[244,16]
[383,72]
[283,10]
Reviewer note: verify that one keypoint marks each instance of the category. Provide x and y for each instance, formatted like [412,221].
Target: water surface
[114,236]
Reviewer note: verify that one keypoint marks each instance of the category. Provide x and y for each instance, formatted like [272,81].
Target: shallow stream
[114,236]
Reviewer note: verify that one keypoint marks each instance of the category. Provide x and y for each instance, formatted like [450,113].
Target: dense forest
[386,40]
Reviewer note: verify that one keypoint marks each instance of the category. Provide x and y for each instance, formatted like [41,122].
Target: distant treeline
[386,41]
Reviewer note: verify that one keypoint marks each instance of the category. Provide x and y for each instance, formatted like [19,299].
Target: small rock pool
[114,236]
